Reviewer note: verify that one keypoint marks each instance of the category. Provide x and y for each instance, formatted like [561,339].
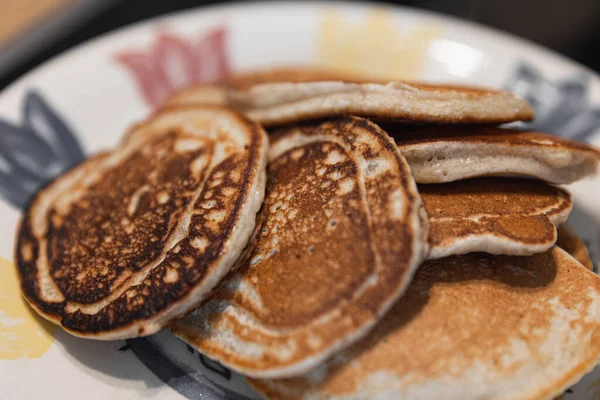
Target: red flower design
[173,62]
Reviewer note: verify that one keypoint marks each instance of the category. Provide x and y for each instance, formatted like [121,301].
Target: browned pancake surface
[339,236]
[499,216]
[125,237]
[473,326]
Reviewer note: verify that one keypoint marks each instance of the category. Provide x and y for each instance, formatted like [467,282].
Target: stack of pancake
[383,240]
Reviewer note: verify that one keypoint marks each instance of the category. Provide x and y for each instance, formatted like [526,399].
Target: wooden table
[16,16]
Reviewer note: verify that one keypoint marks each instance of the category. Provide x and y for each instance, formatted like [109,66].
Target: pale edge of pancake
[444,161]
[235,244]
[279,103]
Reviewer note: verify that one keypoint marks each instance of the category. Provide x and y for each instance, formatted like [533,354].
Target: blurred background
[32,31]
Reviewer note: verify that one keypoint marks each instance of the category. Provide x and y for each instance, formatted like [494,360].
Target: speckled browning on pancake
[341,231]
[470,327]
[574,245]
[129,240]
[278,103]
[440,154]
[493,215]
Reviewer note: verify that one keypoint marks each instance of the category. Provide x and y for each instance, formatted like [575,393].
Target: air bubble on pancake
[217,215]
[27,252]
[215,183]
[285,352]
[171,276]
[199,243]
[335,175]
[346,186]
[292,213]
[198,165]
[374,167]
[234,176]
[162,197]
[314,341]
[108,239]
[397,205]
[135,199]
[57,220]
[228,191]
[187,145]
[297,154]
[209,204]
[321,171]
[334,157]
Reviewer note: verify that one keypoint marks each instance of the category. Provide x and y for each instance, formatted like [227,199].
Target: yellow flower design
[22,332]
[374,47]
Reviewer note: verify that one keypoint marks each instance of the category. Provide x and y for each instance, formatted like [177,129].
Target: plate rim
[237,7]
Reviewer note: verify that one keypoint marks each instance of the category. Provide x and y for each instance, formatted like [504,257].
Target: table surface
[566,26]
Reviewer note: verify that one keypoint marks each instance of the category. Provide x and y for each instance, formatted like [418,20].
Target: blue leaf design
[562,107]
[46,123]
[36,152]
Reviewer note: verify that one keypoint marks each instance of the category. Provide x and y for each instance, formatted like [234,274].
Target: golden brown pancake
[493,215]
[572,244]
[130,240]
[341,231]
[476,326]
[438,154]
[278,103]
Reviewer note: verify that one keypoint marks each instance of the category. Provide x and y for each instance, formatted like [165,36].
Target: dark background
[567,26]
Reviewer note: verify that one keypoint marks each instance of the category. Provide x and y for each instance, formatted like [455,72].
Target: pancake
[475,326]
[572,244]
[341,232]
[443,154]
[493,215]
[129,240]
[217,94]
[199,94]
[289,102]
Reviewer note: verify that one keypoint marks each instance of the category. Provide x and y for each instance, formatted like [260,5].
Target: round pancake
[341,232]
[470,327]
[288,102]
[493,215]
[572,244]
[438,154]
[130,240]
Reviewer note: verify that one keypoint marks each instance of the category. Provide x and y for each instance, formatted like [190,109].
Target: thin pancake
[127,241]
[439,154]
[572,244]
[217,94]
[288,102]
[470,327]
[341,233]
[493,215]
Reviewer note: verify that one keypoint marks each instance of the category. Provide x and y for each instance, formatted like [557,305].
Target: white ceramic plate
[84,100]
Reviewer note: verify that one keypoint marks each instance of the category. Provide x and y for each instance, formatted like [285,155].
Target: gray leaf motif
[34,153]
[562,107]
